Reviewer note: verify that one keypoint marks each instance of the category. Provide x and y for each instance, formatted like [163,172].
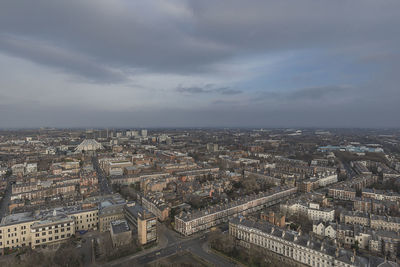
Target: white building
[294,246]
[325,229]
[327,180]
[313,211]
[89,145]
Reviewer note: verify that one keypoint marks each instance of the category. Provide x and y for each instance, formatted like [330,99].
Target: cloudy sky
[178,63]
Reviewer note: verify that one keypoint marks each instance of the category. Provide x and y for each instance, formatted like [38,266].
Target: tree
[250,185]
[67,255]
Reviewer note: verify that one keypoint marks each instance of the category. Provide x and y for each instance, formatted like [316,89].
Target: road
[197,245]
[105,187]
[5,201]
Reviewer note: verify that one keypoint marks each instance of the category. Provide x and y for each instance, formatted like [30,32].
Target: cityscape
[200,197]
[199,133]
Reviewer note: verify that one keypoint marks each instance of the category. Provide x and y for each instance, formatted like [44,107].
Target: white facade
[313,211]
[330,179]
[324,230]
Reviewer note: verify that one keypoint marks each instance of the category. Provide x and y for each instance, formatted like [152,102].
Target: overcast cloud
[167,63]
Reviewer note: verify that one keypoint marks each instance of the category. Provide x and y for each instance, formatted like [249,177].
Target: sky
[183,63]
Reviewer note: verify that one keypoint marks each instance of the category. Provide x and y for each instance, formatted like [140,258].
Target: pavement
[171,244]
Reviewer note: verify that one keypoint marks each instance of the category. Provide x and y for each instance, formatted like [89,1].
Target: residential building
[144,223]
[190,223]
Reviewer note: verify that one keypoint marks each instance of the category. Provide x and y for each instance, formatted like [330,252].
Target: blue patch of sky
[304,69]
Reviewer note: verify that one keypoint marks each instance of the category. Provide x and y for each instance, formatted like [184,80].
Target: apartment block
[190,223]
[144,223]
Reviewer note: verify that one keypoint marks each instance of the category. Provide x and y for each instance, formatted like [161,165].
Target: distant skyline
[181,63]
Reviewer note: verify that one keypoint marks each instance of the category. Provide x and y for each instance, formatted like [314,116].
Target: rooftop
[119,226]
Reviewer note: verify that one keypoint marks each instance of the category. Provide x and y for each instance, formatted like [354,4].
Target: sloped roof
[89,144]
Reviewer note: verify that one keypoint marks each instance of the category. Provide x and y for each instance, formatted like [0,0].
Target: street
[105,188]
[197,245]
[5,201]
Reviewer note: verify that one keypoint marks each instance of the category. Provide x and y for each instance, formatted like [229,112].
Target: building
[274,218]
[292,245]
[35,229]
[357,218]
[120,233]
[327,229]
[342,193]
[188,223]
[143,222]
[109,211]
[313,211]
[212,147]
[156,205]
[327,180]
[51,229]
[386,223]
[87,219]
[88,145]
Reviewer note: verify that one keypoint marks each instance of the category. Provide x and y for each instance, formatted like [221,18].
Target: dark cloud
[313,94]
[191,36]
[208,89]
[59,58]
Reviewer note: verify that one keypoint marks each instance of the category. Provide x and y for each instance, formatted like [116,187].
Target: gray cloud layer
[209,88]
[111,42]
